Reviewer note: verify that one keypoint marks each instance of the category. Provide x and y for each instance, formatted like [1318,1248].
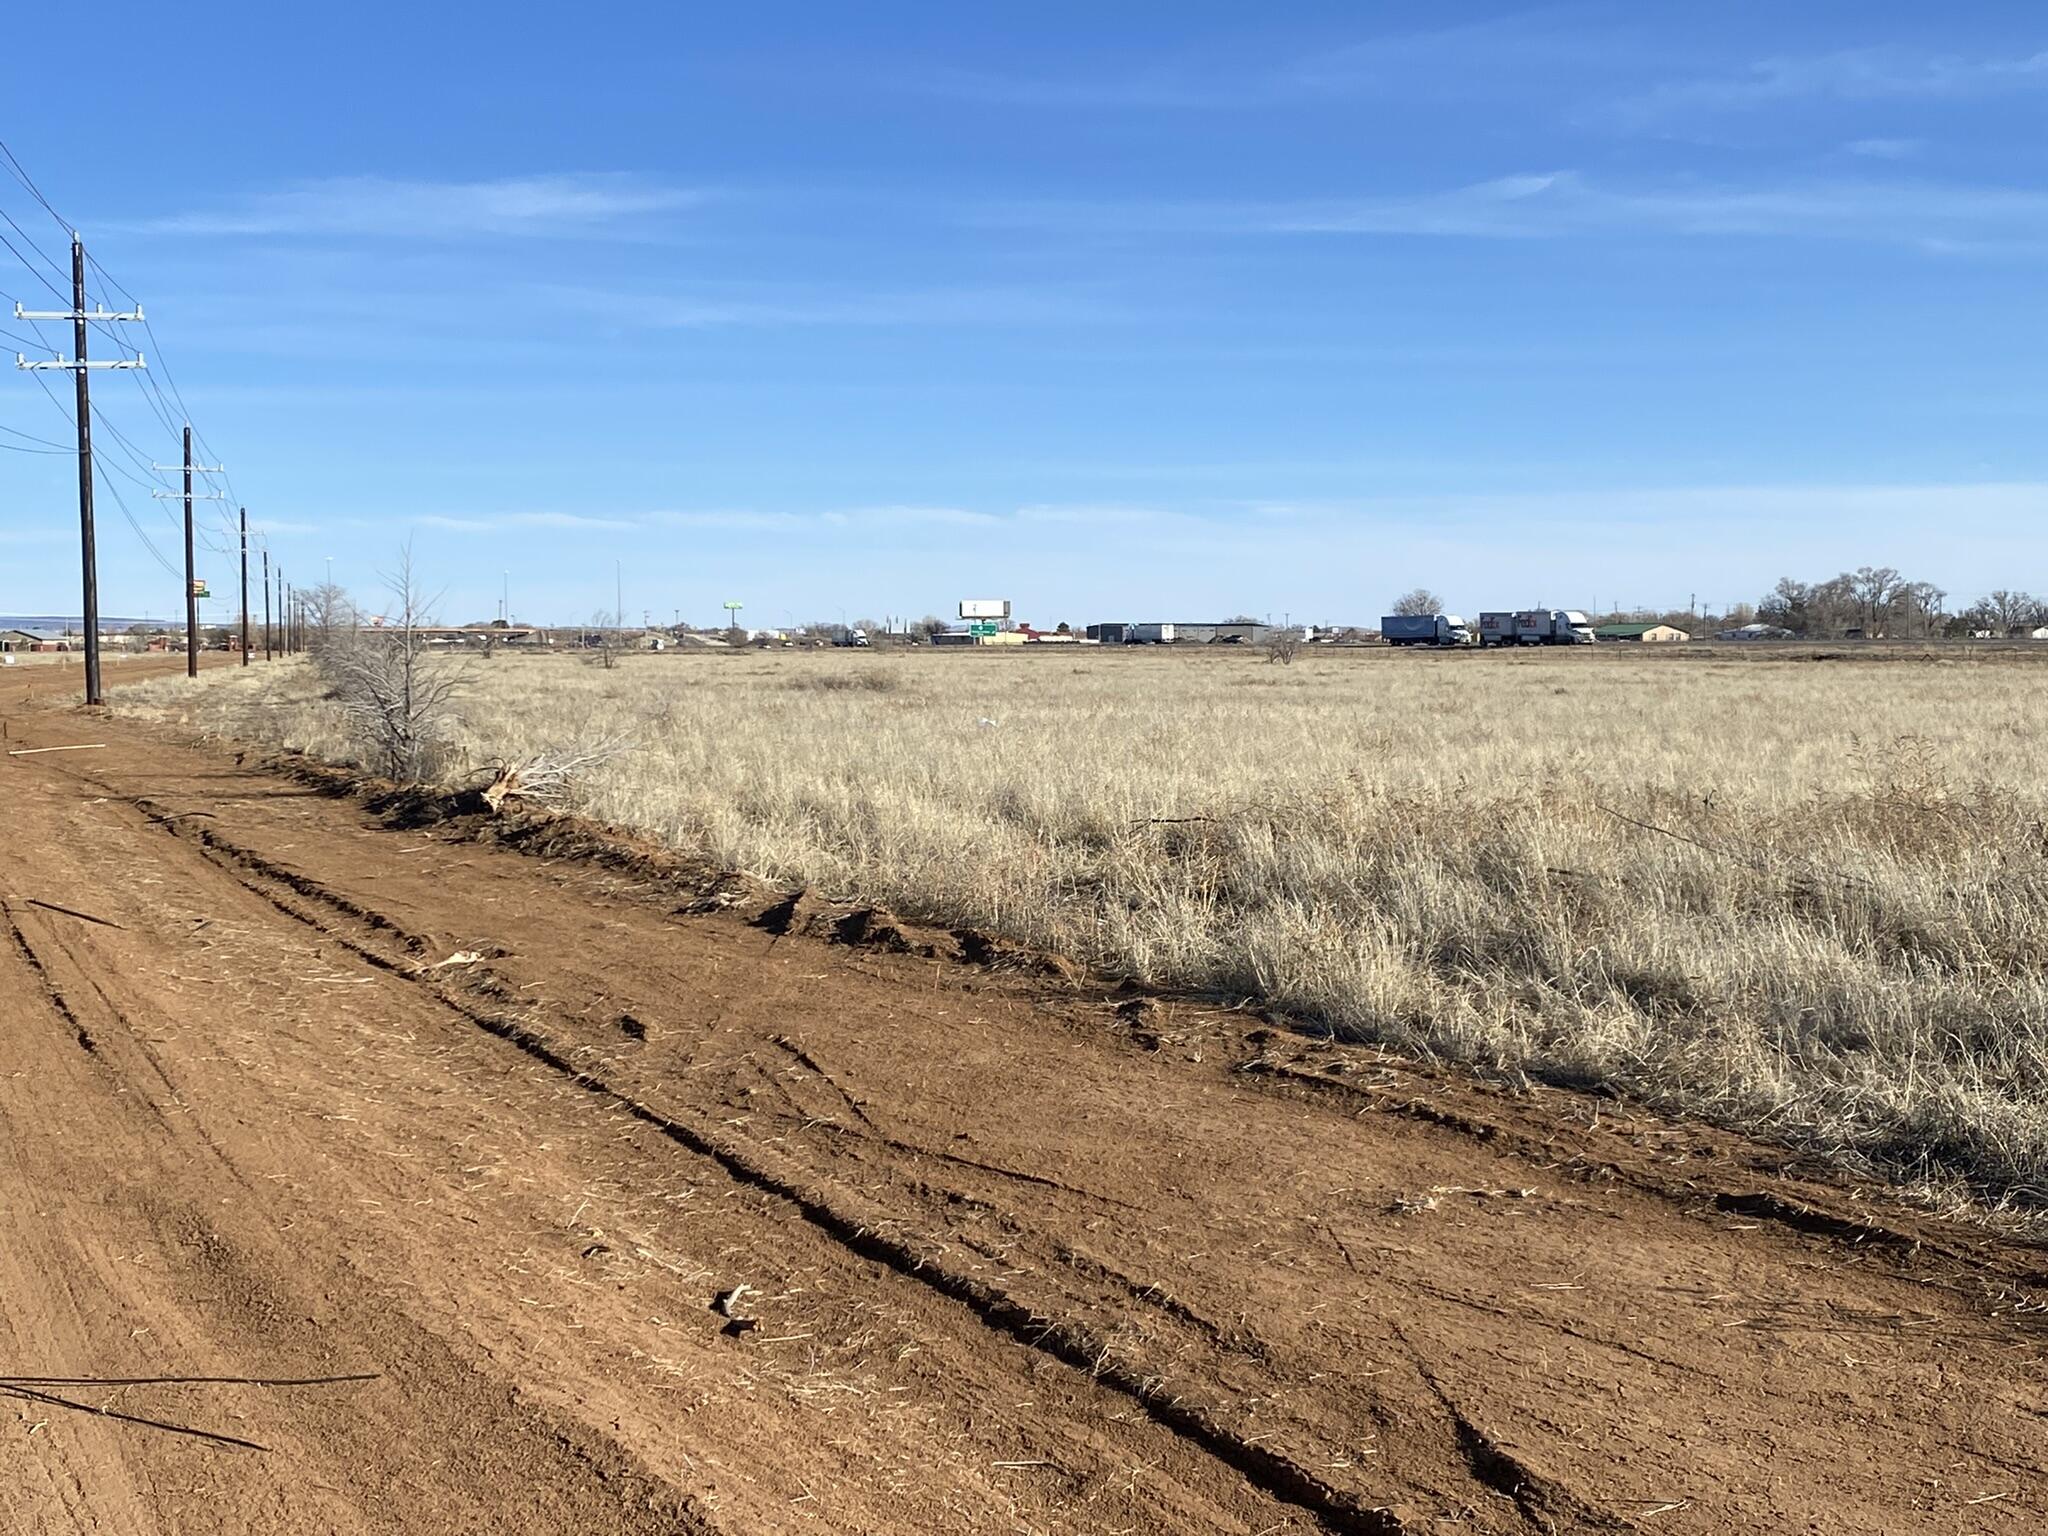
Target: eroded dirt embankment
[636,1202]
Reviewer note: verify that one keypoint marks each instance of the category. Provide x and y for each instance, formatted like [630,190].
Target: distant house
[1756,632]
[1649,633]
[13,640]
[2037,634]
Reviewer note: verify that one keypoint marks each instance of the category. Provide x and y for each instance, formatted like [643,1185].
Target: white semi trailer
[1536,626]
[1553,626]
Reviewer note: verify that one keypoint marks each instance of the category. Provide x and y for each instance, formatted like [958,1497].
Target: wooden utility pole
[191,585]
[266,605]
[87,546]
[192,582]
[245,586]
[77,365]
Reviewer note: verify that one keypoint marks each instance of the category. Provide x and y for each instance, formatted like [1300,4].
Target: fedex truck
[1553,626]
[1536,626]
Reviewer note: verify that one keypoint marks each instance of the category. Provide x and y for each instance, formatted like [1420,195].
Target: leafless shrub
[606,637]
[393,696]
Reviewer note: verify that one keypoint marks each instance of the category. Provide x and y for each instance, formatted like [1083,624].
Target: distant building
[1756,632]
[1176,633]
[14,640]
[1648,633]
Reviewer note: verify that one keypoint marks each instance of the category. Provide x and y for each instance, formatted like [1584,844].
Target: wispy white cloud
[1471,59]
[1848,75]
[1886,149]
[380,206]
[727,307]
[499,522]
[1827,508]
[1554,204]
[852,518]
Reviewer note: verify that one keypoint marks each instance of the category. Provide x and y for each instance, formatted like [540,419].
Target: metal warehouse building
[1652,633]
[1179,634]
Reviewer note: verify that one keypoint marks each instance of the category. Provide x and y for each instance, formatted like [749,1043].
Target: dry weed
[1811,901]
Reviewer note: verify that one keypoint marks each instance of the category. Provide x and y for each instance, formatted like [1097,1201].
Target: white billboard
[984,607]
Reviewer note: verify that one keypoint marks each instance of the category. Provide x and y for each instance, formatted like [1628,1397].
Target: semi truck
[1536,626]
[1439,629]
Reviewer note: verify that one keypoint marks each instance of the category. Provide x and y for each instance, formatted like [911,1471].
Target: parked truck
[1553,626]
[1536,626]
[1436,629]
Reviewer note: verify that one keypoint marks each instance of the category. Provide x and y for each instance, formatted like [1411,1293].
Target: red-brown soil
[636,1214]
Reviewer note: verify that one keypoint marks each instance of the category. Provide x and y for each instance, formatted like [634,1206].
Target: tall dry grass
[1807,899]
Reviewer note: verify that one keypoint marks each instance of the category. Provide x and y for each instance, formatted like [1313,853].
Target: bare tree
[1876,590]
[607,636]
[1922,602]
[328,611]
[1418,603]
[2009,611]
[1283,646]
[389,690]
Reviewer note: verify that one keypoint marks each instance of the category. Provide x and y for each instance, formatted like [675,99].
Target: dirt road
[617,1209]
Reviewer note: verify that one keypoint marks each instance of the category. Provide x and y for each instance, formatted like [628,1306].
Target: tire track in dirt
[168,1266]
[960,1386]
[1642,1333]
[848,1219]
[37,969]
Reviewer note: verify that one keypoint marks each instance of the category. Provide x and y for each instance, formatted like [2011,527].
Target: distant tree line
[1877,602]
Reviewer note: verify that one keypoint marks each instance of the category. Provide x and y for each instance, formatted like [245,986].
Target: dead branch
[550,776]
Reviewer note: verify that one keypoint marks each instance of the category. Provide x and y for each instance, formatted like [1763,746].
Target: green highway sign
[983,627]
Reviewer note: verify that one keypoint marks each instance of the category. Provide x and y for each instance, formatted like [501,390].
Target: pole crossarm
[102,313]
[195,496]
[21,360]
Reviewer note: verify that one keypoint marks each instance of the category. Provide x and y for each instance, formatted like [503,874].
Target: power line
[31,438]
[30,241]
[168,409]
[80,368]
[34,191]
[154,553]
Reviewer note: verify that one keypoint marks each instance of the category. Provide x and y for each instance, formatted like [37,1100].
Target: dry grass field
[1807,898]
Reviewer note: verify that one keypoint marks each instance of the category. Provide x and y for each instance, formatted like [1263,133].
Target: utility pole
[77,365]
[192,582]
[266,605]
[245,586]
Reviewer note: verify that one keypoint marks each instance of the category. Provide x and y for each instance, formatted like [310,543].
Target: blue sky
[1119,311]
